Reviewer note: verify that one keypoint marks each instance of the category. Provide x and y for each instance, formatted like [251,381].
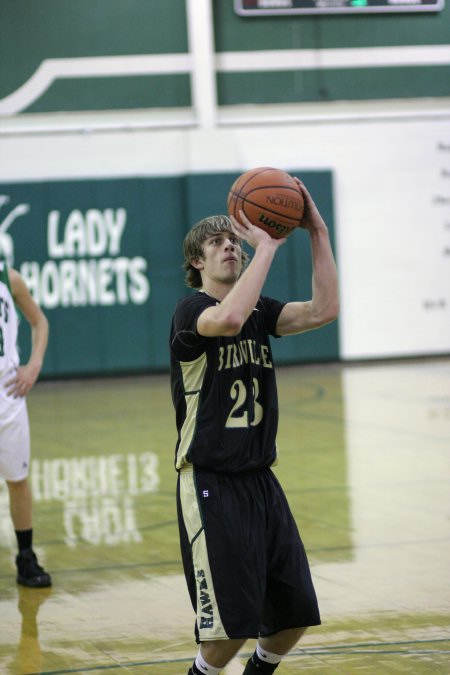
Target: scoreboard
[287,7]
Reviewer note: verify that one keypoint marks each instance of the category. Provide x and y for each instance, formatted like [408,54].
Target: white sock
[204,667]
[267,657]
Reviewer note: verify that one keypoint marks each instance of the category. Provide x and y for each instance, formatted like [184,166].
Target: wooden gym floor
[365,462]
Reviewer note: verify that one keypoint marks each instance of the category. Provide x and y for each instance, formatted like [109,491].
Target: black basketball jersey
[224,389]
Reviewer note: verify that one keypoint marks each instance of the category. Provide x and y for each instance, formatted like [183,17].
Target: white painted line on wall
[306,59]
[201,46]
[51,70]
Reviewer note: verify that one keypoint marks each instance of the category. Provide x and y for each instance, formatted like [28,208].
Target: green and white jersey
[9,324]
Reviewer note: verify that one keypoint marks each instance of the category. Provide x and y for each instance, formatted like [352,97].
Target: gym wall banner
[103,259]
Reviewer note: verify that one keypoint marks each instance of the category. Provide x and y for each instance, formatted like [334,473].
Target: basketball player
[244,562]
[15,383]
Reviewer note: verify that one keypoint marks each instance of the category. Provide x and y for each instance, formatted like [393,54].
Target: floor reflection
[28,656]
[364,459]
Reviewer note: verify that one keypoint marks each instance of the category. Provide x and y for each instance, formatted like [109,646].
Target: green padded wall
[103,258]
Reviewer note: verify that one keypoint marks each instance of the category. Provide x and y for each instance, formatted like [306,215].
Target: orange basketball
[270,198]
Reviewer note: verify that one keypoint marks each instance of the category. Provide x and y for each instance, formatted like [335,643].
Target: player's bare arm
[240,297]
[26,375]
[297,317]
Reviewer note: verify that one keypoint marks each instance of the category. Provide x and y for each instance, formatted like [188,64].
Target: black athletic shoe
[29,572]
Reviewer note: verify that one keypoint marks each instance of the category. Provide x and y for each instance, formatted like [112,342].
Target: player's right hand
[252,234]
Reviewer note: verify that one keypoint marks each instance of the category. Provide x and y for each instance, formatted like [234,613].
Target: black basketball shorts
[245,564]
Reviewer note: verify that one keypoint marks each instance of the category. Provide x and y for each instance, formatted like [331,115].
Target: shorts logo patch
[206,608]
[206,493]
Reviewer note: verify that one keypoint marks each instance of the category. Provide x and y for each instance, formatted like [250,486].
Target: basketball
[270,198]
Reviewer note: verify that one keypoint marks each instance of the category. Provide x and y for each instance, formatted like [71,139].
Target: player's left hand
[311,217]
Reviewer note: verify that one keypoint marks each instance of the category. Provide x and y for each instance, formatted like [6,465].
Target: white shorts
[14,435]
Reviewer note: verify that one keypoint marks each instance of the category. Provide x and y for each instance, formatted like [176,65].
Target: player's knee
[220,652]
[282,642]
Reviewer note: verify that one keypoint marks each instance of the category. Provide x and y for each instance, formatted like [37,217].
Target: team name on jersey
[206,608]
[244,351]
[4,309]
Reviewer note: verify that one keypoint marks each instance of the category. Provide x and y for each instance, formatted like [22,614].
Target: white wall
[391,191]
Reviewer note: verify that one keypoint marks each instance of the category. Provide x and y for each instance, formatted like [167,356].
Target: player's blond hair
[193,246]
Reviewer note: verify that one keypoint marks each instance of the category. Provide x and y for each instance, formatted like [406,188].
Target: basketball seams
[276,214]
[270,198]
[253,175]
[246,199]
